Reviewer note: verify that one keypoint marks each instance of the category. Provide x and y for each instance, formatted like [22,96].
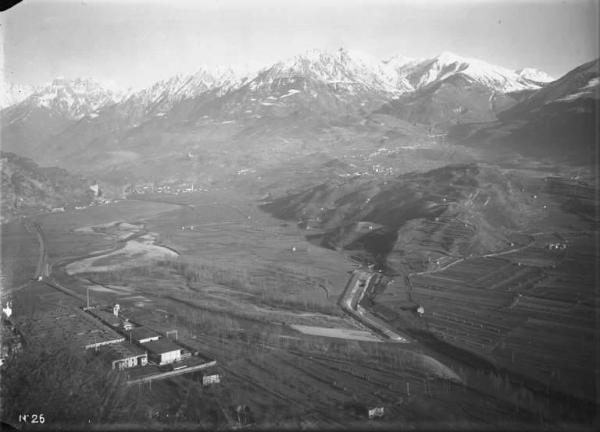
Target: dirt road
[42,269]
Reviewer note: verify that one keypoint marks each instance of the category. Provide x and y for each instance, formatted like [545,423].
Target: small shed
[376,412]
[210,379]
[420,310]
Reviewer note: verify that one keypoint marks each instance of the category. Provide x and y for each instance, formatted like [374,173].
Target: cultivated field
[531,311]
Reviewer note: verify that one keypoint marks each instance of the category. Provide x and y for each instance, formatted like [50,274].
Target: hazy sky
[136,42]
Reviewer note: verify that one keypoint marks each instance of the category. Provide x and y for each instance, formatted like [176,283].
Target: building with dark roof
[107,317]
[143,335]
[163,351]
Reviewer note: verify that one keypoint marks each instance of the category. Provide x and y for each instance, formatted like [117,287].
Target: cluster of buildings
[138,345]
[373,170]
[175,189]
[556,246]
[245,171]
[122,343]
[106,333]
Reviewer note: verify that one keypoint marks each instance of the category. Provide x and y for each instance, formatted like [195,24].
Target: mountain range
[285,110]
[341,70]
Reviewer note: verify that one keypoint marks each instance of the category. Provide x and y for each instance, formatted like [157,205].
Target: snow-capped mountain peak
[448,64]
[72,98]
[347,71]
[162,95]
[448,57]
[11,94]
[348,68]
[399,62]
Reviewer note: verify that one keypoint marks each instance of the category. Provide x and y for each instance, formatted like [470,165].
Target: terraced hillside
[27,187]
[419,219]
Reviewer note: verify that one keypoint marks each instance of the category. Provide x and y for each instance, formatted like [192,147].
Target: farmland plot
[531,311]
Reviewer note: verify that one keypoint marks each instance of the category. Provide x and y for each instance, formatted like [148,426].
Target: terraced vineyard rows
[523,308]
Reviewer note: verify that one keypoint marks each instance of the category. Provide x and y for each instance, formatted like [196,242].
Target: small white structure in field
[8,309]
[95,188]
[420,310]
[376,412]
[211,379]
[116,308]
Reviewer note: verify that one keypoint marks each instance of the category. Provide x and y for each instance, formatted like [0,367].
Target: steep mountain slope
[559,121]
[106,129]
[452,90]
[577,86]
[27,187]
[354,71]
[535,76]
[163,95]
[26,125]
[69,117]
[71,99]
[316,83]
[451,101]
[497,78]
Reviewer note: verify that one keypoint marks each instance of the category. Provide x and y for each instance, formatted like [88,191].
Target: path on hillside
[488,255]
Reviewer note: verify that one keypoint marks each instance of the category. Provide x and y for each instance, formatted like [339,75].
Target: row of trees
[274,287]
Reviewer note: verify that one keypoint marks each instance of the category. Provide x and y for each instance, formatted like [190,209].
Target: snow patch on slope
[535,75]
[448,64]
[591,89]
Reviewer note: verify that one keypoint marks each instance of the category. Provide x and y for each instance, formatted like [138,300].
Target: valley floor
[249,291]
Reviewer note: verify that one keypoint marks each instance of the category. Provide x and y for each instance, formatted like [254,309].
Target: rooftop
[71,324]
[162,346]
[106,316]
[138,333]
